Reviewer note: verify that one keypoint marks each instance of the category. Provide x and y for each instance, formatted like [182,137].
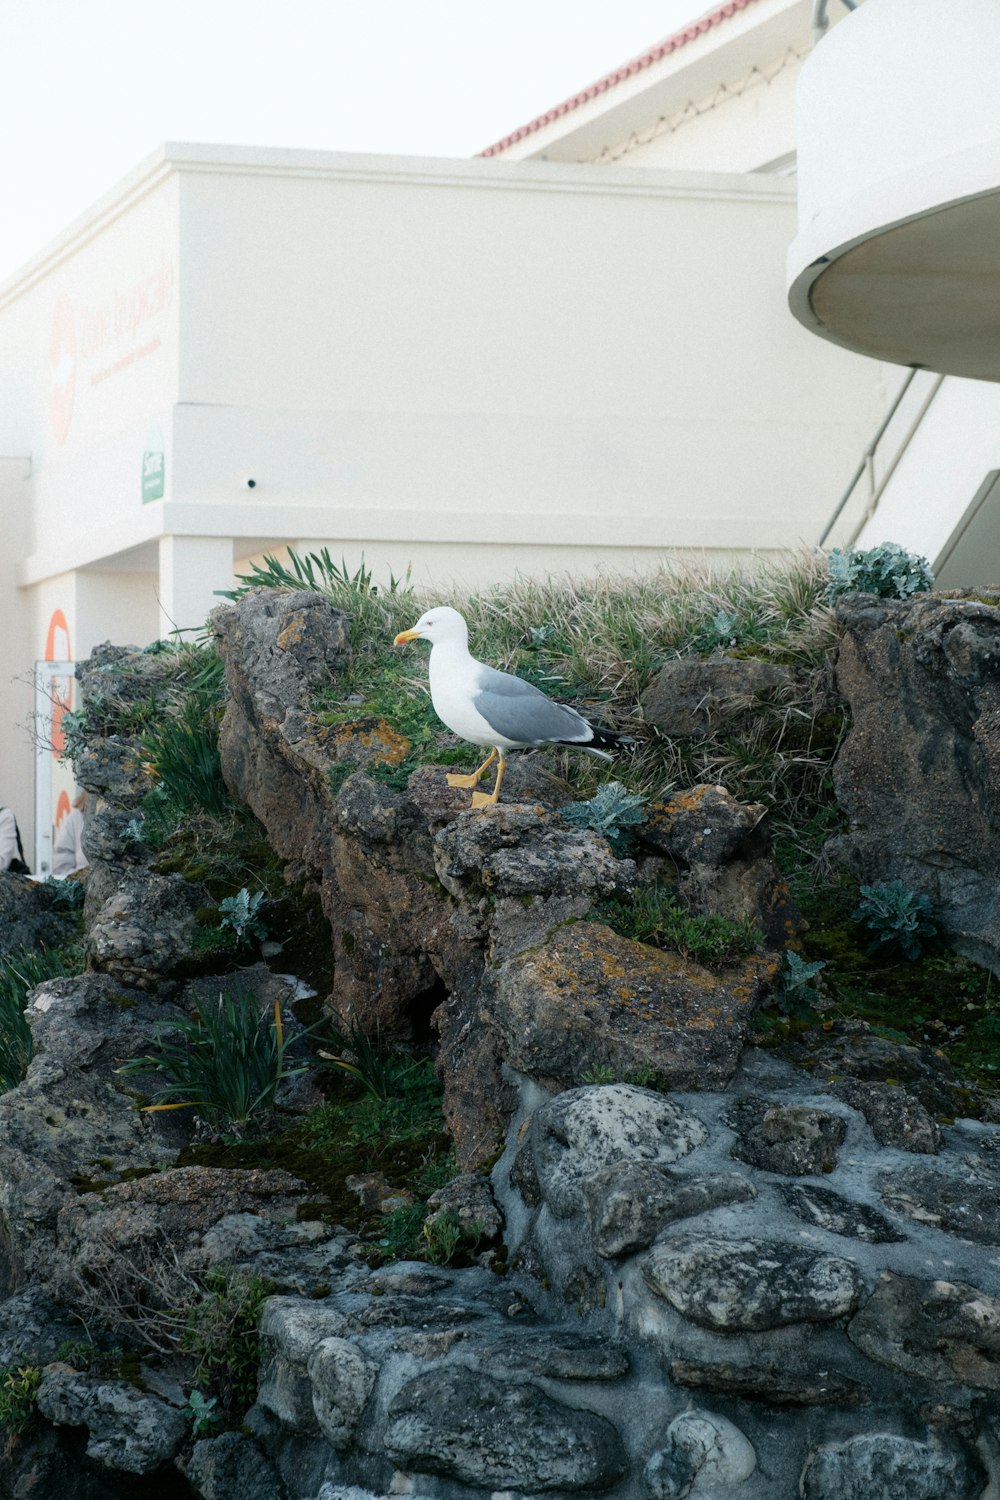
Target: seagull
[487,707]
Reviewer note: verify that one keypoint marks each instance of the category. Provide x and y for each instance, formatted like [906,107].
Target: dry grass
[598,642]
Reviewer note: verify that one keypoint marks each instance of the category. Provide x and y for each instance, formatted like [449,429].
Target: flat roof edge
[180,158]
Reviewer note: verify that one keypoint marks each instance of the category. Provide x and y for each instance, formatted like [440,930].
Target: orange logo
[62,369]
[57,648]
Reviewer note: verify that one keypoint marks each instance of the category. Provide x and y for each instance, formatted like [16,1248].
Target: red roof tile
[689,33]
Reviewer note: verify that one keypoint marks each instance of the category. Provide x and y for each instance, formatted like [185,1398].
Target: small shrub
[887,570]
[317,570]
[446,1234]
[226,1061]
[221,1331]
[242,913]
[611,812]
[18,1401]
[899,918]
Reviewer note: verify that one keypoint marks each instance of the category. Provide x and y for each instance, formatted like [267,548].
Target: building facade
[572,351]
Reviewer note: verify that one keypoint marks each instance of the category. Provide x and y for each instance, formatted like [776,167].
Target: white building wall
[425,355]
[16,694]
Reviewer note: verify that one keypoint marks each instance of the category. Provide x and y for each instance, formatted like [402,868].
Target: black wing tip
[610,739]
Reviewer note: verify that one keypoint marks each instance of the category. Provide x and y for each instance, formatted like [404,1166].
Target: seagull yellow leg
[488,799]
[454,779]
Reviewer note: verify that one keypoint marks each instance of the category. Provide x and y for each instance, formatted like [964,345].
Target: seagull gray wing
[521,713]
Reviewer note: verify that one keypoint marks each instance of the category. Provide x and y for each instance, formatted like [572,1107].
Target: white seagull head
[442,623]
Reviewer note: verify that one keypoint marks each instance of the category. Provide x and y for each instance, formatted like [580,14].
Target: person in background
[11,852]
[67,847]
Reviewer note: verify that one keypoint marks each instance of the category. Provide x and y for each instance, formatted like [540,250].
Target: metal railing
[821,20]
[866,468]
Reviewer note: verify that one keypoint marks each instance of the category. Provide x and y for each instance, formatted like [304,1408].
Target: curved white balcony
[898,250]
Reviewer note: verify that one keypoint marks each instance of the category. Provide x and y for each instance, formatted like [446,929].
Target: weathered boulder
[590,999]
[695,695]
[112,767]
[740,1286]
[127,1429]
[723,849]
[791,1385]
[468,1199]
[896,1117]
[969,1209]
[795,1138]
[70,1119]
[143,934]
[32,1328]
[893,1468]
[940,1330]
[300,1257]
[291,1328]
[279,650]
[840,1052]
[919,771]
[554,1353]
[583,1130]
[342,1380]
[838,1215]
[232,1466]
[130,1252]
[629,1204]
[29,916]
[704,825]
[463,1425]
[518,850]
[703,1451]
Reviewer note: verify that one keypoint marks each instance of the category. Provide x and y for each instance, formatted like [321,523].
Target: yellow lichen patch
[292,633]
[382,745]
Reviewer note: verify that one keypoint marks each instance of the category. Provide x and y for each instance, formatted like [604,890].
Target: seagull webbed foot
[454,778]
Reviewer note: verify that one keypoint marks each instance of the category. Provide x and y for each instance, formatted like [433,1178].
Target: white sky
[88,88]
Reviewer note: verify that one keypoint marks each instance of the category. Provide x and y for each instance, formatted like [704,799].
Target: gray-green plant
[612,812]
[67,895]
[902,920]
[241,913]
[796,995]
[203,1414]
[226,1060]
[887,570]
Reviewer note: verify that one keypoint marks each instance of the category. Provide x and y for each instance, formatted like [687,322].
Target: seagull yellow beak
[406,635]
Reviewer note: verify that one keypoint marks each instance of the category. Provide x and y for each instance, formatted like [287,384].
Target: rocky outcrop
[471,920]
[919,772]
[770,1274]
